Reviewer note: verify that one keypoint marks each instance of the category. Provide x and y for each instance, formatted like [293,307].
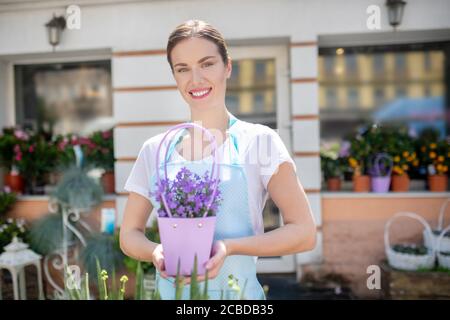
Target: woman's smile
[200,93]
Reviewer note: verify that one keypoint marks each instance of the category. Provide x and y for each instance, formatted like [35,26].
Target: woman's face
[200,73]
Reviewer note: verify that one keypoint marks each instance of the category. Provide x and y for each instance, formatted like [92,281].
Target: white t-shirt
[261,151]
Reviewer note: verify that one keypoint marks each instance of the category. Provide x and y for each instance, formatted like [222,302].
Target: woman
[200,64]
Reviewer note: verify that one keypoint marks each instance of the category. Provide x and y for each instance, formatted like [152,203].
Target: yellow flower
[416,163]
[405,167]
[439,167]
[441,158]
[413,155]
[353,163]
[433,146]
[124,279]
[448,155]
[410,159]
[445,168]
[396,159]
[405,154]
[432,155]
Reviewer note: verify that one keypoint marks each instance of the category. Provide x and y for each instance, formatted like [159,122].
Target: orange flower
[396,159]
[432,155]
[432,145]
[353,163]
[405,154]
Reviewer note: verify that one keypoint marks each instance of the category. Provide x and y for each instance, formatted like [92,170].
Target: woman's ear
[229,67]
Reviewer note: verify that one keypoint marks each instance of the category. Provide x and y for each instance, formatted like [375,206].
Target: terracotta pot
[334,184]
[15,182]
[400,183]
[361,183]
[438,183]
[108,182]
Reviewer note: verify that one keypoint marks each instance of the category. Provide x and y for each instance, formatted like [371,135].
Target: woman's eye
[182,70]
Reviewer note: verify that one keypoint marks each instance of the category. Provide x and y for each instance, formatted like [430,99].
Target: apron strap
[234,140]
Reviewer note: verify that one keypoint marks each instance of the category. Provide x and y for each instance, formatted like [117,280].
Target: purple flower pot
[183,239]
[381,184]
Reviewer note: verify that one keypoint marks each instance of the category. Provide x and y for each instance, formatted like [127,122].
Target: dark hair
[197,29]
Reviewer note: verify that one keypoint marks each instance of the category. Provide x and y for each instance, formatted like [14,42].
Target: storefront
[285,55]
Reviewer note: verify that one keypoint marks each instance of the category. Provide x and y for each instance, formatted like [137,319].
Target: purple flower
[188,195]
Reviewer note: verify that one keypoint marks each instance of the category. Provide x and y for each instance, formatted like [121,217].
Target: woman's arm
[133,241]
[298,233]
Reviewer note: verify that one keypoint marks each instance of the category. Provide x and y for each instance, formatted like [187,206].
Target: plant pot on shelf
[334,184]
[15,182]
[438,182]
[400,183]
[361,183]
[381,179]
[108,182]
[380,184]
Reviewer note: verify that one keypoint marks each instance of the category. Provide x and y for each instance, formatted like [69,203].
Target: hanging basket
[408,261]
[184,239]
[443,255]
[431,239]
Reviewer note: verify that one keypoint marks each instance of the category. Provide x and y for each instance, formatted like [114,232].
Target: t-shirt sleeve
[272,152]
[139,179]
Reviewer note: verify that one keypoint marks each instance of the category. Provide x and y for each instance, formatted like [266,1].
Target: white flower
[9,220]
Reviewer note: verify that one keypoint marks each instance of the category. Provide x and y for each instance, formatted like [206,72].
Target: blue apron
[233,221]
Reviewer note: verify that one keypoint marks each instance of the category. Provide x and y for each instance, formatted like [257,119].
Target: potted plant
[10,142]
[331,166]
[10,228]
[7,200]
[401,148]
[188,206]
[35,161]
[380,172]
[359,152]
[436,156]
[100,152]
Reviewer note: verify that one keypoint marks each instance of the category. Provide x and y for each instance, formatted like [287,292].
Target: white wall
[146,25]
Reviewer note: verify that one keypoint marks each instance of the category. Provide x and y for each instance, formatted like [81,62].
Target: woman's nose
[196,76]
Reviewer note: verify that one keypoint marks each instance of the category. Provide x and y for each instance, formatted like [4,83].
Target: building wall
[145,99]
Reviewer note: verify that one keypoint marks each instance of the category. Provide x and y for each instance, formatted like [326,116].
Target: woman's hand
[219,253]
[158,261]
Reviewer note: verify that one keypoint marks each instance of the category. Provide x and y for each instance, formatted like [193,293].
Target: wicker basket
[443,260]
[407,261]
[430,241]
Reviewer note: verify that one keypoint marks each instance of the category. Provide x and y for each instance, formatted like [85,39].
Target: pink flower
[106,134]
[31,149]
[21,134]
[16,148]
[62,145]
[74,140]
[19,157]
[7,189]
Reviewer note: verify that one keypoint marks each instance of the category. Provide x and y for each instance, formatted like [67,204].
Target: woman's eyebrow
[199,61]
